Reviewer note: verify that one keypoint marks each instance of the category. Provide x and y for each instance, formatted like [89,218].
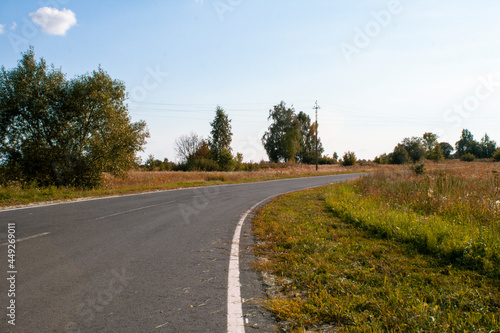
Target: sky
[381,71]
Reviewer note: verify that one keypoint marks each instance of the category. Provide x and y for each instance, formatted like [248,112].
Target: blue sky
[380,70]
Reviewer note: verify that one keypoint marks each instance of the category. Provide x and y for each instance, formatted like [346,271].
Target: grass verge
[139,181]
[331,275]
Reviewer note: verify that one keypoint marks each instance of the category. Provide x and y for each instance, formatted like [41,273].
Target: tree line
[55,131]
[414,149]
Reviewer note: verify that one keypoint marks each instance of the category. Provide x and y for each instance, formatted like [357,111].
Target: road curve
[153,262]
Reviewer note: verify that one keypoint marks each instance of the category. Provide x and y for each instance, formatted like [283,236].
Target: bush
[203,164]
[496,155]
[468,157]
[419,169]
[349,159]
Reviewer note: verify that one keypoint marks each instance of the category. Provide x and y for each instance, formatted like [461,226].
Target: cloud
[13,26]
[54,21]
[2,29]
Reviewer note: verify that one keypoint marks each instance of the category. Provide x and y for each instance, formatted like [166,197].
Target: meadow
[390,252]
[135,181]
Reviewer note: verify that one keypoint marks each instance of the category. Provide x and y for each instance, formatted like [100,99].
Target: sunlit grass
[451,214]
[373,264]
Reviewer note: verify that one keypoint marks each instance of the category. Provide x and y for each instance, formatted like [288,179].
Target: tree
[307,152]
[447,149]
[487,147]
[187,146]
[282,140]
[436,153]
[221,135]
[349,159]
[415,148]
[399,155]
[59,132]
[290,137]
[430,140]
[467,144]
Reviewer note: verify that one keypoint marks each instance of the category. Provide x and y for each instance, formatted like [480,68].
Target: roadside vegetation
[394,252]
[16,194]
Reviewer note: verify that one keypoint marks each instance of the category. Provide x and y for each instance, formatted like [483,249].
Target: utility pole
[316,107]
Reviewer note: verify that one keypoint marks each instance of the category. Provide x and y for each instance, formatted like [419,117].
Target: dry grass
[380,255]
[143,181]
[161,178]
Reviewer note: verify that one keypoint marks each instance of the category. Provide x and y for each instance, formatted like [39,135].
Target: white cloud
[13,26]
[2,29]
[54,21]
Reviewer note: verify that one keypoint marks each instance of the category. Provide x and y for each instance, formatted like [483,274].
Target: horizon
[381,71]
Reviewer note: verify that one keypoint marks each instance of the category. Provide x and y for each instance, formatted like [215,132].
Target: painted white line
[130,211]
[235,321]
[26,238]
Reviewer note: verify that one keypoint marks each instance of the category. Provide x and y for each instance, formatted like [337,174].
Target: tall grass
[142,181]
[453,214]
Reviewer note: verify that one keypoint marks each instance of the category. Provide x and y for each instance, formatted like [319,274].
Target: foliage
[349,159]
[59,132]
[487,147]
[430,141]
[399,155]
[307,153]
[290,137]
[221,137]
[382,159]
[468,157]
[447,149]
[419,169]
[415,148]
[496,156]
[467,145]
[436,153]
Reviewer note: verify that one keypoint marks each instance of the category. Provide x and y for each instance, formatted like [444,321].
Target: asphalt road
[155,262]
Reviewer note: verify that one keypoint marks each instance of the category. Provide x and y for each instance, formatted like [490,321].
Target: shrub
[419,169]
[349,159]
[496,155]
[468,157]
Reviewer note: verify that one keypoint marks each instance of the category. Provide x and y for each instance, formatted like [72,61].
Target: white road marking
[235,321]
[26,238]
[130,211]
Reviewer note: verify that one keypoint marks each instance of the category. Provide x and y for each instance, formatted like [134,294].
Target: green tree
[467,145]
[307,152]
[282,140]
[430,140]
[349,159]
[487,147]
[399,155]
[60,132]
[221,135]
[415,147]
[496,155]
[447,149]
[291,136]
[436,153]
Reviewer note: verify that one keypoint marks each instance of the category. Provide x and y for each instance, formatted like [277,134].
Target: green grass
[336,275]
[453,215]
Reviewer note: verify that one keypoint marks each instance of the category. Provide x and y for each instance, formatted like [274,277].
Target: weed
[335,276]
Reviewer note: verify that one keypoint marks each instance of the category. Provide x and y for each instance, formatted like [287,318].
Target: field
[395,252]
[143,181]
